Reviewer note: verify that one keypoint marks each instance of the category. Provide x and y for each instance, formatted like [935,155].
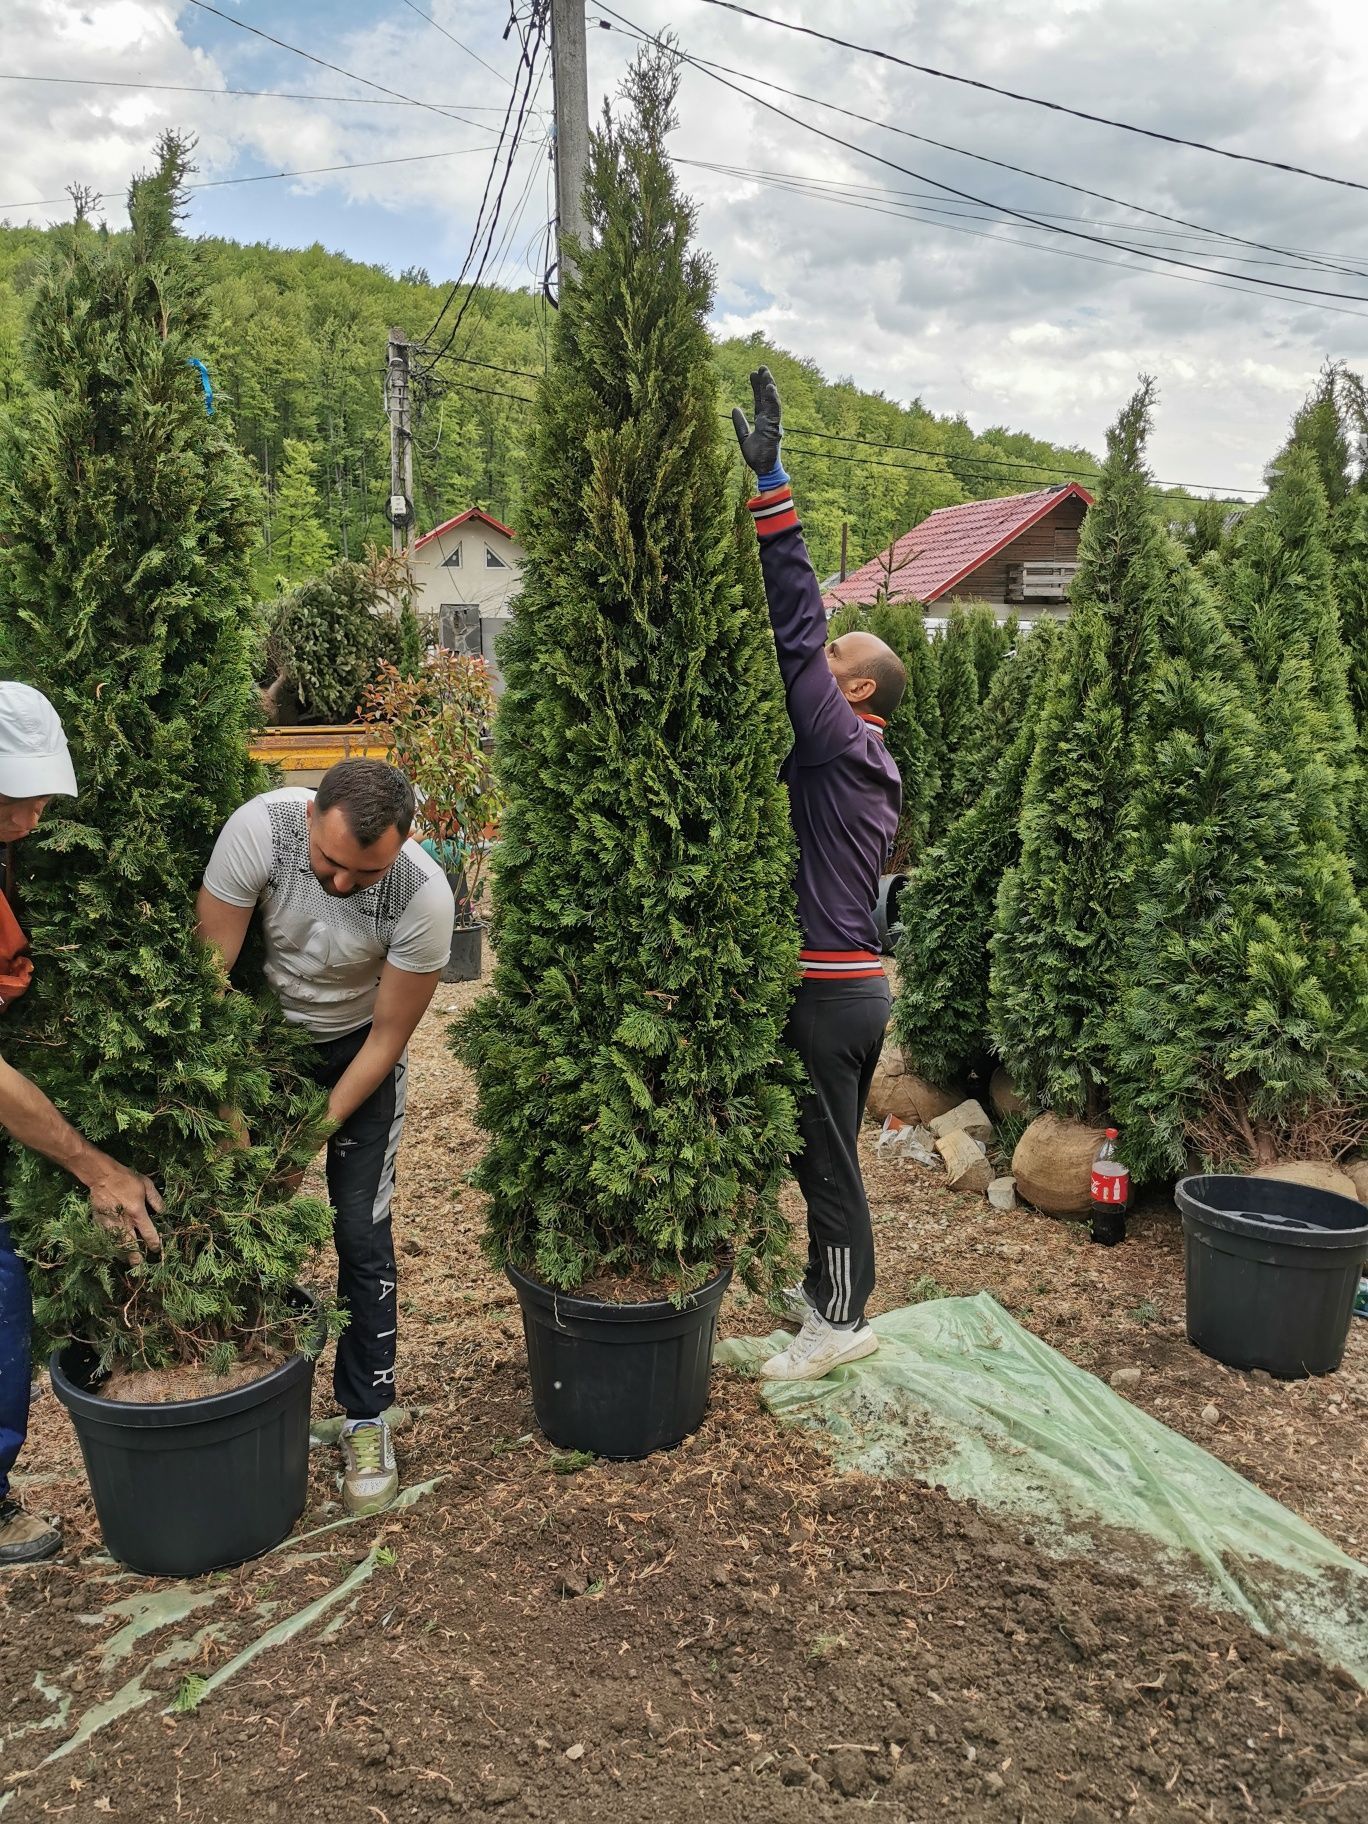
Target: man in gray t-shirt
[357,922]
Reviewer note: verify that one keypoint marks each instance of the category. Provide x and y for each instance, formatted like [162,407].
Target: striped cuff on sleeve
[774,512]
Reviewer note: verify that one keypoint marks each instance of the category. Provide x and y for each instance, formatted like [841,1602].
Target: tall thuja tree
[1240,1033]
[1277,585]
[300,545]
[913,733]
[629,1061]
[957,693]
[1349,543]
[1061,911]
[991,640]
[127,519]
[940,1017]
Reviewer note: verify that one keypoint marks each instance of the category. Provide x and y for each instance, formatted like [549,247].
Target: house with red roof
[468,571]
[1019,553]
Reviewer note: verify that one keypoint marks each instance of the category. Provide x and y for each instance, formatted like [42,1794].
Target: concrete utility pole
[398,405]
[570,70]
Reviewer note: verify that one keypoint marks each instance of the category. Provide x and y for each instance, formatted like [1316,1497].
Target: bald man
[844,799]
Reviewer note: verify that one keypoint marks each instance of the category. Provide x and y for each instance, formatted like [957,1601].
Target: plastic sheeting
[960,1396]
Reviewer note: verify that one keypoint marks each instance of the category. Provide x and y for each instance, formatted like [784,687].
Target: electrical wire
[186,88]
[323,64]
[1037,101]
[1077,234]
[456,41]
[267,177]
[940,145]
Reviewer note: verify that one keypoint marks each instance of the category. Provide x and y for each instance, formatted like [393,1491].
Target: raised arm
[823,722]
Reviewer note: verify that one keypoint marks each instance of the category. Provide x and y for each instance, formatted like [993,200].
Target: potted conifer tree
[629,1063]
[127,521]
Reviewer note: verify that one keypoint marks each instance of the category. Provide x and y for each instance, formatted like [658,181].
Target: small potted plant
[629,1059]
[435,722]
[126,519]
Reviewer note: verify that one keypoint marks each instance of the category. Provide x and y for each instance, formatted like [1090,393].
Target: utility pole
[570,71]
[398,405]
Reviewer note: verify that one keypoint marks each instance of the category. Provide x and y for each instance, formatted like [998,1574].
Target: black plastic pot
[467,942]
[1272,1269]
[886,920]
[192,1485]
[618,1380]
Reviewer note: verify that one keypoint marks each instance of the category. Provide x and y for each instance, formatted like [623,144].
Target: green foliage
[1204,532]
[940,1017]
[299,546]
[328,637]
[1349,542]
[1241,1034]
[991,641]
[1061,909]
[629,1060]
[436,722]
[958,700]
[913,734]
[126,517]
[1276,584]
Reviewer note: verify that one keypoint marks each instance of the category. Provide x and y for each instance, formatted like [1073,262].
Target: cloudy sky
[868,269]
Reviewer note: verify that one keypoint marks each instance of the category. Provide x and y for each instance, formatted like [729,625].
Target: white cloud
[917,307]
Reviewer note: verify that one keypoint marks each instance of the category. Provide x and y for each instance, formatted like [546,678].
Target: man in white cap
[35,765]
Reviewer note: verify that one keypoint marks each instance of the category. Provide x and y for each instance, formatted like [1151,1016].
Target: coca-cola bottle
[1110,1195]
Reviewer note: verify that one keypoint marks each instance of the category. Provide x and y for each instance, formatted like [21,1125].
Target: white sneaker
[792,1303]
[370,1477]
[817,1349]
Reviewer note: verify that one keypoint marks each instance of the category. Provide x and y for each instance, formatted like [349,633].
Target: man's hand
[760,447]
[123,1202]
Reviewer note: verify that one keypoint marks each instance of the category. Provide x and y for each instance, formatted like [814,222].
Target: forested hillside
[298,356]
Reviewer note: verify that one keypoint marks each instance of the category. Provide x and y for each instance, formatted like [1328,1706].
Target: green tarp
[960,1396]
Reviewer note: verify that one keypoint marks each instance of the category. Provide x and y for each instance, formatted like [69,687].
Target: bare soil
[725,1633]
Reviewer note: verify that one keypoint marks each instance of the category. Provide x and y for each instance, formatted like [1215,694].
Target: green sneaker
[370,1477]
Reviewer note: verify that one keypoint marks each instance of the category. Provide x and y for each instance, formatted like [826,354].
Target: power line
[267,177]
[1076,234]
[323,64]
[1037,101]
[1000,164]
[1061,253]
[917,449]
[456,41]
[186,88]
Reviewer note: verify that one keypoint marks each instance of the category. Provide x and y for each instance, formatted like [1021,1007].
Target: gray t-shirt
[324,954]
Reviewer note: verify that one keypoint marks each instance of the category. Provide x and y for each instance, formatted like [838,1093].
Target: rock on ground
[1002,1193]
[966,1164]
[966,1118]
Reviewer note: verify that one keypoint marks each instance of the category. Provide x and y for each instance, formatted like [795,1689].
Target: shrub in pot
[435,721]
[628,1059]
[127,519]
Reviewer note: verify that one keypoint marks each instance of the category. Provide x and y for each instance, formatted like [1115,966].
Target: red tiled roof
[450,525]
[947,546]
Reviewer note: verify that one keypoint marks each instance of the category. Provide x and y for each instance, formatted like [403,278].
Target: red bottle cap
[1113,1133]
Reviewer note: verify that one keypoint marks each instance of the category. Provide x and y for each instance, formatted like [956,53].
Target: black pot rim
[605,1311]
[1194,1208]
[148,1415]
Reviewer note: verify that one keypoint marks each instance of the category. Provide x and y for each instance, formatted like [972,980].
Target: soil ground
[727,1632]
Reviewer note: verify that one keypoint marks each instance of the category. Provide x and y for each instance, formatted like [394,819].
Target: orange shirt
[16,965]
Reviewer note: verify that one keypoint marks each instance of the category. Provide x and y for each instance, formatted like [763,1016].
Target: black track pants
[361,1156]
[837,1030]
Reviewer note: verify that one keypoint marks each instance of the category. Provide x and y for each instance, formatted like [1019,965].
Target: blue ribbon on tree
[205,382]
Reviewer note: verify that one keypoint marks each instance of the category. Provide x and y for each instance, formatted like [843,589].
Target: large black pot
[1272,1269]
[192,1485]
[618,1380]
[467,954]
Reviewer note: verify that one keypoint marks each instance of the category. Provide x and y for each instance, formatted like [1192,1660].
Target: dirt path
[724,1633]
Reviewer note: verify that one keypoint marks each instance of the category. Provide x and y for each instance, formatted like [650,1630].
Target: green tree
[300,547]
[958,698]
[328,637]
[940,1017]
[1061,910]
[1241,1031]
[1349,541]
[913,734]
[991,640]
[127,517]
[629,1062]
[1276,584]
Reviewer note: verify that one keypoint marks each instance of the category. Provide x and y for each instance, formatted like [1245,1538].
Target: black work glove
[760,447]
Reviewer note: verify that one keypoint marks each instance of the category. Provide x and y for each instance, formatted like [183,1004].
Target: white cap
[35,761]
